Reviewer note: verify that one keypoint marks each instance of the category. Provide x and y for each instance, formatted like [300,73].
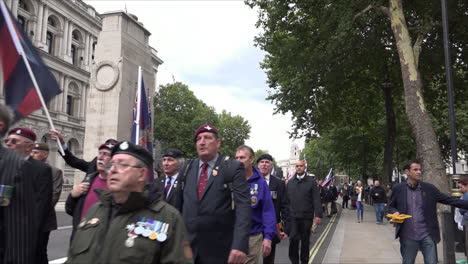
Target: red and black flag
[25,76]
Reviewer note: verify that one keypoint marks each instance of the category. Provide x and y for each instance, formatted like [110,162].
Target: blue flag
[141,126]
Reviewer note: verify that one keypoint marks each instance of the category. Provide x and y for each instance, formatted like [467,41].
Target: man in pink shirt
[83,197]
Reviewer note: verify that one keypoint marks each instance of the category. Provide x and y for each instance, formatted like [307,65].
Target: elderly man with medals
[128,224]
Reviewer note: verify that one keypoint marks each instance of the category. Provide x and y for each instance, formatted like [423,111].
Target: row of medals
[154,231]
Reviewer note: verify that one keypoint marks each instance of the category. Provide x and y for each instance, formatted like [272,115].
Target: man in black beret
[280,202]
[127,224]
[169,185]
[216,204]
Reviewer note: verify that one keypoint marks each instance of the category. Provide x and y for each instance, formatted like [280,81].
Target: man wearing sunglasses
[129,224]
[21,140]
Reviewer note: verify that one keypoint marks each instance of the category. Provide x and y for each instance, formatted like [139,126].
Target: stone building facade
[68,34]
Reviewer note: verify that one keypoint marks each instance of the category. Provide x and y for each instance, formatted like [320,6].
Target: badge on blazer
[274,194]
[253,200]
[82,223]
[215,171]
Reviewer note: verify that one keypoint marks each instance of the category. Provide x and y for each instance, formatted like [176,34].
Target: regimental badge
[215,171]
[82,223]
[124,145]
[175,185]
[93,221]
[208,128]
[253,200]
[18,131]
[274,194]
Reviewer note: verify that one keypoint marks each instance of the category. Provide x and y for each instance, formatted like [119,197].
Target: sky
[209,45]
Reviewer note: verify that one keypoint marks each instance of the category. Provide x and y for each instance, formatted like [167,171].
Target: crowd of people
[211,209]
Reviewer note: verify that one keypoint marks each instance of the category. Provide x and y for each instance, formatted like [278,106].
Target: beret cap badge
[124,146]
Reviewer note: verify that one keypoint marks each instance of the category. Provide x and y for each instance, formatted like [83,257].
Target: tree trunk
[365,162]
[427,147]
[390,134]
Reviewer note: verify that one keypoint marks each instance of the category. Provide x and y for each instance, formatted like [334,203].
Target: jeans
[379,211]
[360,210]
[409,249]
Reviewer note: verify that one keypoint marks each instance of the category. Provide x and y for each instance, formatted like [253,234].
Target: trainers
[462,260]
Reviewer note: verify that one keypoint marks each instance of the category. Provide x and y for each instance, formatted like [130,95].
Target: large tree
[340,64]
[178,113]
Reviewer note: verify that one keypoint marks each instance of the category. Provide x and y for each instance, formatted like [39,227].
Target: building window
[93,50]
[49,42]
[70,105]
[22,4]
[22,22]
[73,54]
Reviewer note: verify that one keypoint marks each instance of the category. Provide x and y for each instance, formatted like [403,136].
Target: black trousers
[300,234]
[345,202]
[271,258]
[42,248]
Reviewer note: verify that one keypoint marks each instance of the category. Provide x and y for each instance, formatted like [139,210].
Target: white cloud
[202,38]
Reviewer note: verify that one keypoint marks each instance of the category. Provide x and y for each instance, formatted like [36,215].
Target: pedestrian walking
[216,205]
[40,152]
[170,185]
[263,228]
[359,190]
[278,194]
[463,185]
[344,192]
[304,208]
[379,198]
[419,199]
[127,225]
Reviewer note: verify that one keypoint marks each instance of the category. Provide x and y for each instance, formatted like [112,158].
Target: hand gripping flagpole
[20,49]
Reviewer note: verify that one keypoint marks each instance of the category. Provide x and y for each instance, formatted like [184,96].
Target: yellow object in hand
[399,219]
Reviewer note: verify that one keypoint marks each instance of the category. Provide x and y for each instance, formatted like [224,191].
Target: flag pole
[31,74]
[138,110]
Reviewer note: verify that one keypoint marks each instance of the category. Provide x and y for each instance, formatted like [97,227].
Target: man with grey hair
[19,226]
[169,186]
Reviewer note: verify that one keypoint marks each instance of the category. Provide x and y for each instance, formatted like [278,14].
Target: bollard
[448,238]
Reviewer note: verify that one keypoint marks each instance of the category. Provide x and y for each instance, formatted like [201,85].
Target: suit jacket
[280,201]
[19,226]
[175,195]
[80,164]
[41,173]
[215,228]
[57,183]
[431,196]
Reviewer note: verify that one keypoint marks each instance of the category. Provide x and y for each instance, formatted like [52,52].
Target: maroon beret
[24,132]
[205,128]
[109,144]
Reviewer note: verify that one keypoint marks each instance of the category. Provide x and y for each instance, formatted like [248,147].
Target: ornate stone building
[289,165]
[69,37]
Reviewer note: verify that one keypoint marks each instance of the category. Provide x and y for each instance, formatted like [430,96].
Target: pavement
[366,242]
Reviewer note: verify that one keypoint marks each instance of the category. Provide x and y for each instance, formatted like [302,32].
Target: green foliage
[178,113]
[327,61]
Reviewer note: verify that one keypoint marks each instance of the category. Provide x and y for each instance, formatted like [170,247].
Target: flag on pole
[329,178]
[305,161]
[141,127]
[27,82]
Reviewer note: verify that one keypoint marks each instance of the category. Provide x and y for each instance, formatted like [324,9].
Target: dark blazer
[214,228]
[57,183]
[431,196]
[80,164]
[19,226]
[304,198]
[175,196]
[280,201]
[41,173]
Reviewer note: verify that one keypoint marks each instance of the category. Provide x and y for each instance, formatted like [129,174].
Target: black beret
[173,153]
[136,151]
[265,156]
